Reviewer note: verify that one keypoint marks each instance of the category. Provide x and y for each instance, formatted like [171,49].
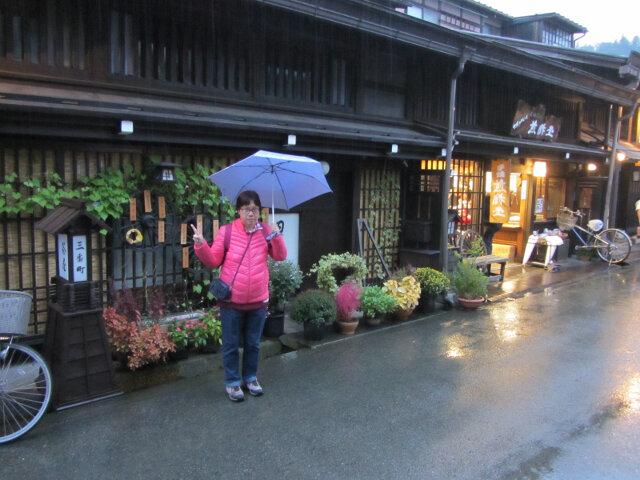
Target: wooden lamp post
[76,344]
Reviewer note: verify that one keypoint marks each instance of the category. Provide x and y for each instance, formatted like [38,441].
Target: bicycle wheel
[613,245]
[25,390]
[468,239]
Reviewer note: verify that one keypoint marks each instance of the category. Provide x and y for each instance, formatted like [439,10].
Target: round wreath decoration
[350,265]
[133,236]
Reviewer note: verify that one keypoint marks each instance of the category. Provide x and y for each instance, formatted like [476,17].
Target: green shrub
[374,302]
[469,282]
[432,282]
[313,306]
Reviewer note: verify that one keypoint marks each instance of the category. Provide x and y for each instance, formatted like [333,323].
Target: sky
[606,21]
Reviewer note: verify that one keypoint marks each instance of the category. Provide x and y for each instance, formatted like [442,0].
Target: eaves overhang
[630,150]
[377,20]
[163,115]
[529,147]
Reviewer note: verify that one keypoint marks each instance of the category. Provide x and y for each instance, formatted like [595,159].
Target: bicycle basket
[15,308]
[566,220]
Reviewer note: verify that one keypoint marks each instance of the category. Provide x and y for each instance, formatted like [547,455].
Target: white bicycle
[612,244]
[25,379]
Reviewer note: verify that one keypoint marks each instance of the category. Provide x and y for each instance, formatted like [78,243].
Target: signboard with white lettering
[531,122]
[79,258]
[63,256]
[499,199]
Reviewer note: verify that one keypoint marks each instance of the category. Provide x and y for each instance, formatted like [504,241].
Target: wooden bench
[487,260]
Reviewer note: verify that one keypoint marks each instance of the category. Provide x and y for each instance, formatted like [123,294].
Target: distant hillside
[621,48]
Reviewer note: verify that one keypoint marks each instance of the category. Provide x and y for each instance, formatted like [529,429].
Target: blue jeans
[237,324]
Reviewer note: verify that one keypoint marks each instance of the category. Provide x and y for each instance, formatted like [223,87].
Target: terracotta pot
[402,315]
[347,328]
[468,304]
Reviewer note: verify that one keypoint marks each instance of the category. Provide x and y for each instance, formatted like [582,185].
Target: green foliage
[432,282]
[104,194]
[196,332]
[284,280]
[333,265]
[108,191]
[313,306]
[469,282]
[34,193]
[476,249]
[382,211]
[374,302]
[195,193]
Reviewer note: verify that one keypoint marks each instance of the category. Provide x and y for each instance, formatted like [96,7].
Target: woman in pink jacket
[244,267]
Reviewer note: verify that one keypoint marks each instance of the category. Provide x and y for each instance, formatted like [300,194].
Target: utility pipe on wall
[444,214]
[609,210]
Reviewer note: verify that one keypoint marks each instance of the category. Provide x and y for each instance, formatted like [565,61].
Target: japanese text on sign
[499,199]
[63,256]
[531,122]
[79,258]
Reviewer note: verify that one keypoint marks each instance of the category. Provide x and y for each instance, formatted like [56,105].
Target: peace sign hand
[198,239]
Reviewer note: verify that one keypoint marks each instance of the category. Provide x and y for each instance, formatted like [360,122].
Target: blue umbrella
[288,180]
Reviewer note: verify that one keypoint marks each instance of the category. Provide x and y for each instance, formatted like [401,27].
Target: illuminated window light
[488,177]
[540,169]
[432,164]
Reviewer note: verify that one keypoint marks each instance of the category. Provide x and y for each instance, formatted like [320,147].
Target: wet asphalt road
[544,386]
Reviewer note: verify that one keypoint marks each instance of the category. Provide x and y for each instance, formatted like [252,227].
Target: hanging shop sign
[532,122]
[499,199]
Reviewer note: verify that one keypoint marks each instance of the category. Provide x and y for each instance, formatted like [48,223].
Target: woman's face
[249,215]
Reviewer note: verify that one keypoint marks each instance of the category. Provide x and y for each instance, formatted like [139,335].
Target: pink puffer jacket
[252,282]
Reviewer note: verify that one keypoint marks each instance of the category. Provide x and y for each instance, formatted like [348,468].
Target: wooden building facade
[363,87]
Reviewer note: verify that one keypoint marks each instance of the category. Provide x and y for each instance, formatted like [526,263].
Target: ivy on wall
[108,192]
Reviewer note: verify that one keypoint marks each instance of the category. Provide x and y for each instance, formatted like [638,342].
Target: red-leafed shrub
[348,300]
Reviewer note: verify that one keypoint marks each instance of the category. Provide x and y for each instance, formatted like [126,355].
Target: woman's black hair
[246,197]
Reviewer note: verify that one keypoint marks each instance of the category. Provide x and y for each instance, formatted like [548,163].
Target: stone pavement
[519,280]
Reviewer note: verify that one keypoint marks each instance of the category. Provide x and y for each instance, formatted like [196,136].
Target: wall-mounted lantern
[165,171]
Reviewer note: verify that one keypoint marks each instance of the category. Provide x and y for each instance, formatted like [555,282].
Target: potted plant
[135,344]
[285,279]
[432,284]
[406,292]
[313,309]
[469,284]
[347,303]
[202,334]
[333,269]
[375,304]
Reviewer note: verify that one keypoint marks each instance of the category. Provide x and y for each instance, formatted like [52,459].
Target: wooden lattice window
[466,194]
[380,206]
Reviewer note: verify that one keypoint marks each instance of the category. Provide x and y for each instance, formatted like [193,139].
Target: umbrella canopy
[288,180]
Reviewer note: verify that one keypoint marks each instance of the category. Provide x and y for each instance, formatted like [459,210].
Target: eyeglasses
[248,210]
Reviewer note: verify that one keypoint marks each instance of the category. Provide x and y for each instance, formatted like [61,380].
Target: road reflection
[506,321]
[631,394]
[456,346]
